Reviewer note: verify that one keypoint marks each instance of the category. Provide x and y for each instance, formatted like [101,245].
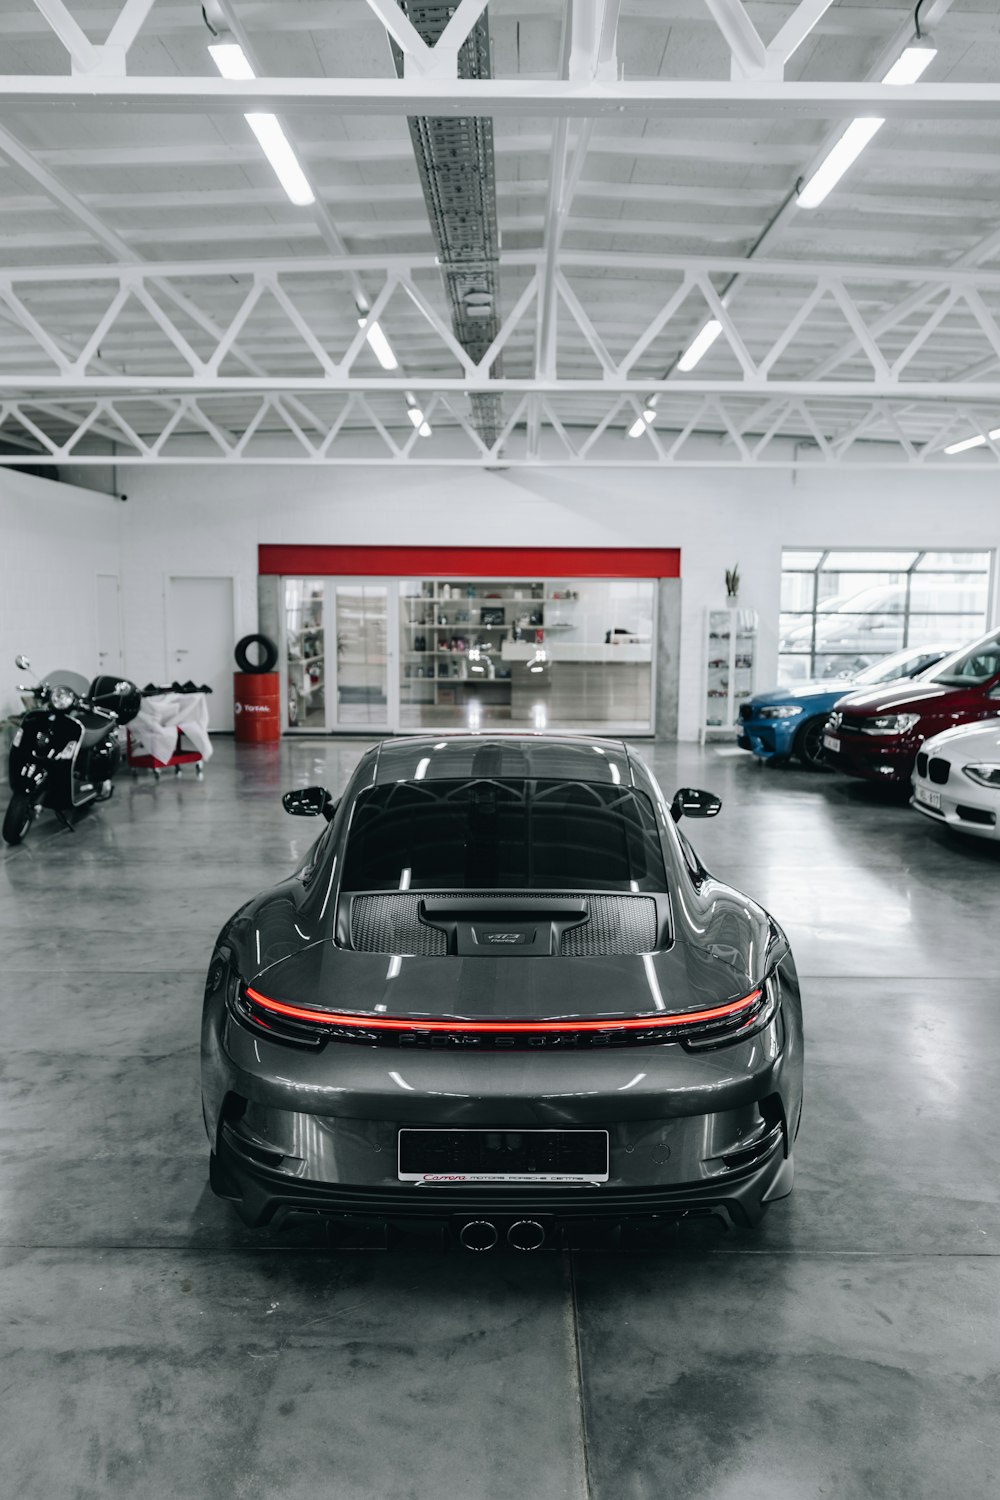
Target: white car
[956,779]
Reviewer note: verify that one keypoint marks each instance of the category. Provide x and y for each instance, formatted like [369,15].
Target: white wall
[201,520]
[54,541]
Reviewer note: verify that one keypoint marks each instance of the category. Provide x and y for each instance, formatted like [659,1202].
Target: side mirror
[22,662]
[309,802]
[692,803]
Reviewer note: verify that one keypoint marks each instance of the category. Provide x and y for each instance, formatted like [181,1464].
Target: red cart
[138,759]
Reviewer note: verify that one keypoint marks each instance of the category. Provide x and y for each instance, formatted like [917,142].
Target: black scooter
[65,749]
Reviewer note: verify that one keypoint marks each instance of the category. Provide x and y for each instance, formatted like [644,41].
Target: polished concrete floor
[150,1346]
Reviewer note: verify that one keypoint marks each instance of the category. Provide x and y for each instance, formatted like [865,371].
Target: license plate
[927,797]
[829,743]
[456,1156]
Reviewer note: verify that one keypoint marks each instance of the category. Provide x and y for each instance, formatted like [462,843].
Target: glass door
[305,653]
[365,692]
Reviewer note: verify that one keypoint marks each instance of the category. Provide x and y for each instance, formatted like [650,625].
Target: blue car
[789,721]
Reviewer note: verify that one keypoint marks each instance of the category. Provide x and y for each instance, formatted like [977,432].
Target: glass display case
[730,667]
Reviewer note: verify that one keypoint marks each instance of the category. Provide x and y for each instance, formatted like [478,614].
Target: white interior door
[109,626]
[201,636]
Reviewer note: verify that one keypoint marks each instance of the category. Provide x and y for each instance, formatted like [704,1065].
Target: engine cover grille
[390,923]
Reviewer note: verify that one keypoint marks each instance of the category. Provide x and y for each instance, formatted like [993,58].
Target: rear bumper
[688,1132]
[259,1192]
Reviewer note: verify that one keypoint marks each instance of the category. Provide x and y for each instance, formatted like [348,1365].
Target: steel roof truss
[887,441]
[579,315]
[32,326]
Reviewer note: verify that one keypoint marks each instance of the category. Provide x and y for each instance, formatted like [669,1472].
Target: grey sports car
[502,995]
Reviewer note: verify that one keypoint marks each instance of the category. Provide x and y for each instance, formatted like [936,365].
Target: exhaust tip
[478,1234]
[526,1234]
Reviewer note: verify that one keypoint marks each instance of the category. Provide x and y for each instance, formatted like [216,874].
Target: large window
[841,610]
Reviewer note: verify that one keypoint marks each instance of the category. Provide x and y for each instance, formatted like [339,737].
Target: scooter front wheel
[18,817]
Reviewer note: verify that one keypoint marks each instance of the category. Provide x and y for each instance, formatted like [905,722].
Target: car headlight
[986,772]
[891,724]
[62,697]
[780,711]
[833,722]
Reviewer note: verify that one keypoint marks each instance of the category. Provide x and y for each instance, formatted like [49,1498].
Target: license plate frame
[587,1151]
[830,742]
[924,795]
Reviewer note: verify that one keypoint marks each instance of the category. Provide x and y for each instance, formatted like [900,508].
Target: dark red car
[877,734]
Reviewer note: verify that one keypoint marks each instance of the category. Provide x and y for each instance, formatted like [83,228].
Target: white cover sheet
[154,728]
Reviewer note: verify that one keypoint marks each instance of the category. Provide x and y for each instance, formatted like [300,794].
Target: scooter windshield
[62,677]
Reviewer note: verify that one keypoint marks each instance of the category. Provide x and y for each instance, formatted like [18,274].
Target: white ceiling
[127,185]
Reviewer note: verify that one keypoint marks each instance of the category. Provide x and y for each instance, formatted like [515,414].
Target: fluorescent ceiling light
[424,429]
[973,442]
[911,64]
[416,416]
[232,62]
[908,67]
[836,162]
[379,344]
[274,144]
[699,345]
[649,415]
[638,427]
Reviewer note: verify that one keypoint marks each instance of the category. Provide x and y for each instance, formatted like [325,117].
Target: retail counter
[590,683]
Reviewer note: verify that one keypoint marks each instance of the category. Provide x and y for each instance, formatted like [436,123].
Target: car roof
[510,756]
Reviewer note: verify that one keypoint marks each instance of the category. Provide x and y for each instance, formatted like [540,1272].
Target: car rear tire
[808,745]
[18,817]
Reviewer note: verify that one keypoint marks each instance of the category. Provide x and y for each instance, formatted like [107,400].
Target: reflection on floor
[154,1347]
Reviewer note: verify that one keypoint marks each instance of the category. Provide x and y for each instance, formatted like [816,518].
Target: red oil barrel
[256,707]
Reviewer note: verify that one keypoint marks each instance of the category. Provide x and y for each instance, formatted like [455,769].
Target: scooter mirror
[22,662]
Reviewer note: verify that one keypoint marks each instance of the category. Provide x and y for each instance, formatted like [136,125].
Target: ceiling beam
[86,57]
[738,99]
[879,386]
[741,36]
[83,55]
[627,263]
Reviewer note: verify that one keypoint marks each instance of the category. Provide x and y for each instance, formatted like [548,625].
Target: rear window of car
[488,834]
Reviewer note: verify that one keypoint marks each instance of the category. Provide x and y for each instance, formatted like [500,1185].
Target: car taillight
[762,1014]
[310,1023]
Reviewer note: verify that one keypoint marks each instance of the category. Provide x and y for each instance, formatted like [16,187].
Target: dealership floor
[151,1346]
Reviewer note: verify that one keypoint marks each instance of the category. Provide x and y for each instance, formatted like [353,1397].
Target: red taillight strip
[496,1028]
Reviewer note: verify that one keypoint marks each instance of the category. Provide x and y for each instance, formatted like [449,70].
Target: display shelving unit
[730,668]
[445,619]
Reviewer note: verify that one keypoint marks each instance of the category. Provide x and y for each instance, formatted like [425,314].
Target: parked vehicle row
[791,720]
[937,727]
